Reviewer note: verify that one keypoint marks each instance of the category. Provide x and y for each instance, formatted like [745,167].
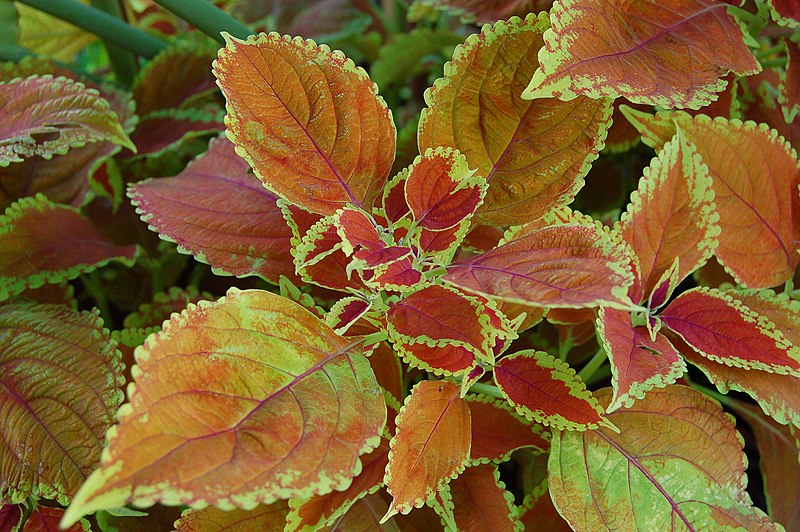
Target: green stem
[724,399]
[769,63]
[91,281]
[761,54]
[601,374]
[122,60]
[101,24]
[14,53]
[487,389]
[593,365]
[207,17]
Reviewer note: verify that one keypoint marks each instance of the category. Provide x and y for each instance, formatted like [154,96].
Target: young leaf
[431,446]
[217,211]
[533,154]
[59,392]
[45,519]
[211,519]
[42,242]
[441,330]
[441,191]
[153,314]
[725,330]
[546,390]
[778,450]
[569,265]
[492,445]
[638,363]
[785,13]
[320,139]
[776,394]
[676,464]
[641,52]
[789,97]
[319,512]
[480,501]
[46,116]
[671,214]
[277,403]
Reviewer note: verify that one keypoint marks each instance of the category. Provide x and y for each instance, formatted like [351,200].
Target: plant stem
[14,53]
[102,24]
[122,61]
[207,17]
[487,389]
[603,372]
[724,399]
[769,63]
[761,54]
[593,365]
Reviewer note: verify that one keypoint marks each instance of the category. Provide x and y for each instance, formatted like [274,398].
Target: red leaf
[725,330]
[640,52]
[217,211]
[10,516]
[638,364]
[785,12]
[162,129]
[322,139]
[546,390]
[491,444]
[44,519]
[431,445]
[441,330]
[41,242]
[568,265]
[398,276]
[539,515]
[441,191]
[790,81]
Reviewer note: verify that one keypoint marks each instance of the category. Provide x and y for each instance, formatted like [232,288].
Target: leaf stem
[724,399]
[769,63]
[102,24]
[122,60]
[487,389]
[14,53]
[586,373]
[761,54]
[207,17]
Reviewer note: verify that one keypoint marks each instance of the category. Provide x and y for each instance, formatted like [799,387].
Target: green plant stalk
[487,389]
[91,281]
[207,17]
[14,53]
[602,373]
[101,24]
[587,372]
[724,399]
[122,61]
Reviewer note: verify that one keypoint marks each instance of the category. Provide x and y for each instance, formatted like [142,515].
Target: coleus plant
[293,410]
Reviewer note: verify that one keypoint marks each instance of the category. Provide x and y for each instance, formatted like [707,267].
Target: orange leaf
[568,265]
[638,363]
[546,390]
[276,403]
[217,211]
[479,502]
[534,155]
[59,393]
[676,462]
[671,215]
[322,139]
[318,512]
[263,517]
[671,54]
[491,444]
[431,446]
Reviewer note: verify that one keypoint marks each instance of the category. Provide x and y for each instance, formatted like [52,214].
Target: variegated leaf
[638,363]
[432,445]
[492,445]
[47,116]
[59,393]
[785,13]
[42,242]
[308,121]
[789,97]
[479,501]
[217,211]
[546,390]
[533,154]
[482,11]
[280,404]
[640,53]
[676,464]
